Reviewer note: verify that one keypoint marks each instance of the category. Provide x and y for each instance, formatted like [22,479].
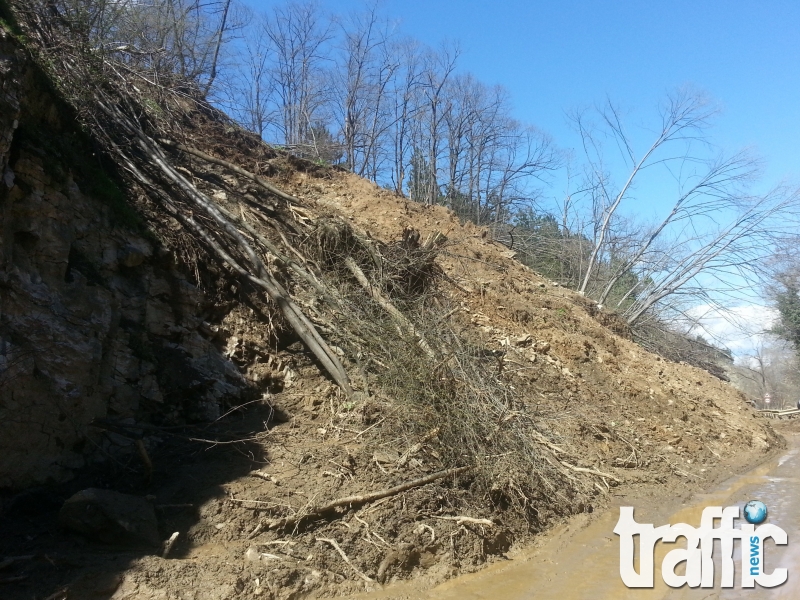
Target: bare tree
[683,118]
[405,107]
[362,88]
[714,237]
[438,68]
[298,35]
[248,91]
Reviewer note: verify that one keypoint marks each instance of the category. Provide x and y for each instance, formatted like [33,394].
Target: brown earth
[124,344]
[634,424]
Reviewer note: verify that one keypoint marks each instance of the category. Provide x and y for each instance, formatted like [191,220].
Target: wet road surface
[585,564]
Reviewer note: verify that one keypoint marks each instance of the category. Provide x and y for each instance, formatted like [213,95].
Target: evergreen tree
[787,301]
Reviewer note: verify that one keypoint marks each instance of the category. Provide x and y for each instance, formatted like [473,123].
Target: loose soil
[640,427]
[585,546]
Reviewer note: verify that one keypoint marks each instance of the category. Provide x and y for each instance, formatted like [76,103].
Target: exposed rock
[110,517]
[97,320]
[133,255]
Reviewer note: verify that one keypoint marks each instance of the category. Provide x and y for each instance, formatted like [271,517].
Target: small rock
[132,255]
[110,517]
[524,340]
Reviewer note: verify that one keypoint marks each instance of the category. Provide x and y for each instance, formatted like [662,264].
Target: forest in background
[352,90]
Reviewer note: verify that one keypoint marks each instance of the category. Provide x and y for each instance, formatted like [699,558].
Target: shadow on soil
[50,563]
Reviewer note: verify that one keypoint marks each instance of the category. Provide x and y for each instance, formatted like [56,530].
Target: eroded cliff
[96,319]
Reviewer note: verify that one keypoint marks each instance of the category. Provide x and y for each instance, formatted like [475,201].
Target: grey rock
[133,255]
[110,517]
[92,326]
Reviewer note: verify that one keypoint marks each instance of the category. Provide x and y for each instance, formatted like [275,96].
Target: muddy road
[580,560]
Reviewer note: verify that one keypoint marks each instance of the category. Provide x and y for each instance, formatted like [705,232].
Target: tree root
[350,501]
[222,219]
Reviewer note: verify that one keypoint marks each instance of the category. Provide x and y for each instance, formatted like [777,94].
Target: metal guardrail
[788,413]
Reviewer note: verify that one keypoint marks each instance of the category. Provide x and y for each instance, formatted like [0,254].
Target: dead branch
[358,500]
[262,278]
[539,438]
[398,317]
[591,471]
[169,544]
[347,560]
[236,169]
[461,519]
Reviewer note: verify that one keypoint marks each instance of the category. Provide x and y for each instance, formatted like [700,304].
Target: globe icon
[755,512]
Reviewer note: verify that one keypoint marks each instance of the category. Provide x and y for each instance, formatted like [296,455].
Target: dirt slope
[676,412]
[621,417]
[602,414]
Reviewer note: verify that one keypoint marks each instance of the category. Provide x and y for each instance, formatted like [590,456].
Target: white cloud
[739,329]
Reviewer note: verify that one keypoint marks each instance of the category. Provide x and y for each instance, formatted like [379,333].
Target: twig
[347,560]
[591,471]
[461,519]
[538,437]
[262,475]
[363,498]
[278,543]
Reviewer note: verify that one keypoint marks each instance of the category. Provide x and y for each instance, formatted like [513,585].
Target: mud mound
[614,413]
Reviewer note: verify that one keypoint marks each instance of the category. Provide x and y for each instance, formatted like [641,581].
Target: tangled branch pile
[352,301]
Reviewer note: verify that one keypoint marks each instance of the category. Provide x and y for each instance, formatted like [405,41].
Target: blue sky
[560,55]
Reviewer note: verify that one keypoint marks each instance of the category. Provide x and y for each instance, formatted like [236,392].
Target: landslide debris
[421,400]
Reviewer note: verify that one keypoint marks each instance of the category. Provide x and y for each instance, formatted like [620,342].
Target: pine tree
[787,301]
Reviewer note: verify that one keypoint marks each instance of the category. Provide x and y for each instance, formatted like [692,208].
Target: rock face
[110,517]
[96,320]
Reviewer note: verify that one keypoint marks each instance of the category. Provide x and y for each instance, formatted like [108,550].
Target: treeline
[352,90]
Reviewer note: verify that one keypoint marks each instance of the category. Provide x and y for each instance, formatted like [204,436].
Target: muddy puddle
[581,560]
